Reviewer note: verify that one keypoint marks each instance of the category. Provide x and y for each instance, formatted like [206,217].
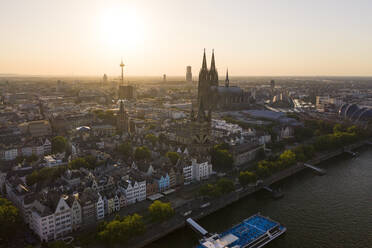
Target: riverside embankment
[159,230]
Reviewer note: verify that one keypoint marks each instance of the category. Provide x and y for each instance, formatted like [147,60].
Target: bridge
[317,169]
[196,227]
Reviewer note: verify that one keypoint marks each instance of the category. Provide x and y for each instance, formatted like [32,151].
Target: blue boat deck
[249,230]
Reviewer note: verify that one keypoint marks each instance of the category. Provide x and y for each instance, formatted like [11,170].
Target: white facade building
[48,225]
[100,208]
[134,191]
[10,154]
[196,171]
[187,174]
[76,214]
[201,171]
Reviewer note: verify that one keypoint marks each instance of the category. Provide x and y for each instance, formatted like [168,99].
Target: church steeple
[213,64]
[227,81]
[213,75]
[203,74]
[204,65]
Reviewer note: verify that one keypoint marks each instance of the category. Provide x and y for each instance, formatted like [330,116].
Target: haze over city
[187,124]
[272,37]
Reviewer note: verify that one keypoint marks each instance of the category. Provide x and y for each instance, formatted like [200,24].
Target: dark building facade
[122,119]
[188,74]
[127,92]
[219,97]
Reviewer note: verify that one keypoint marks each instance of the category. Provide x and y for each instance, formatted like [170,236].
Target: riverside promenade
[158,230]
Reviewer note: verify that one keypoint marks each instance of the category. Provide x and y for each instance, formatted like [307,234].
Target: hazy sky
[263,37]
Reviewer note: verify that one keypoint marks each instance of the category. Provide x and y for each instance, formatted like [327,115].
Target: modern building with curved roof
[355,113]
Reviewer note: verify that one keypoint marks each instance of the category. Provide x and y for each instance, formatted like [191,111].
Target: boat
[253,232]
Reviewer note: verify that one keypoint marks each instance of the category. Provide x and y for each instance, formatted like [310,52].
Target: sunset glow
[121,27]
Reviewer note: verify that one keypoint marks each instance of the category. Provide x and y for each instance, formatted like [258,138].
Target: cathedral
[217,97]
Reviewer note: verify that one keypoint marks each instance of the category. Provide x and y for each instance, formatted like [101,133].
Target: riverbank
[159,230]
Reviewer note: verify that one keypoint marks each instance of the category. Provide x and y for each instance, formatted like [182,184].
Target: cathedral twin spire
[209,75]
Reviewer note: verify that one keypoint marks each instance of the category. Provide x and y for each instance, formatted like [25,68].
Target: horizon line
[2,75]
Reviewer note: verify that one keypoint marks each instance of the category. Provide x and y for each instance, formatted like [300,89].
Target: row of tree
[120,230]
[339,138]
[140,153]
[334,136]
[222,159]
[265,168]
[10,221]
[221,187]
[160,211]
[89,162]
[45,175]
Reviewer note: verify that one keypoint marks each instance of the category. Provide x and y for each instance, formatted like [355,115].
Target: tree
[120,231]
[352,129]
[303,133]
[208,190]
[338,128]
[142,152]
[222,159]
[225,185]
[10,220]
[125,149]
[92,161]
[173,157]
[45,174]
[160,211]
[59,144]
[163,138]
[288,158]
[32,158]
[152,138]
[263,169]
[78,163]
[246,177]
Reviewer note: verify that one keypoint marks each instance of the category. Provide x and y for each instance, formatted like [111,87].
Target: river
[333,210]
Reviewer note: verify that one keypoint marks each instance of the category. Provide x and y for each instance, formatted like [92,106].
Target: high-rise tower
[122,71]
[188,74]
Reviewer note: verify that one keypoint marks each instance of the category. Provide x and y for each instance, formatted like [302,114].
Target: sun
[122,28]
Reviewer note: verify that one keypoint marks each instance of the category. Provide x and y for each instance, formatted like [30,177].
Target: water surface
[334,210]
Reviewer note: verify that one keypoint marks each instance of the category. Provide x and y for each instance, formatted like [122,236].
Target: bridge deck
[317,169]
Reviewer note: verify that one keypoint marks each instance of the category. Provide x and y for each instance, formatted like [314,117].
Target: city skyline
[249,37]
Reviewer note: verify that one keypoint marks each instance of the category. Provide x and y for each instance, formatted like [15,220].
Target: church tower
[203,85]
[200,130]
[213,75]
[122,119]
[208,83]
